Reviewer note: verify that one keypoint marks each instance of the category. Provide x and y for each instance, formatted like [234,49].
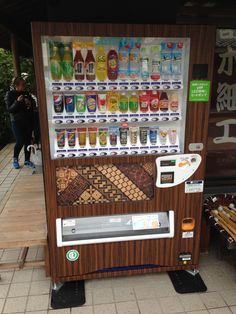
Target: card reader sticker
[167,177]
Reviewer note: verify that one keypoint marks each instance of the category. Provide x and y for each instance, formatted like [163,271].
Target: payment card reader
[175,169]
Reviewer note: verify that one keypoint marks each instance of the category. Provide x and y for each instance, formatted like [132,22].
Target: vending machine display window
[109,96]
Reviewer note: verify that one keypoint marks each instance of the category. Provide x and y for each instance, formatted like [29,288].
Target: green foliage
[6,76]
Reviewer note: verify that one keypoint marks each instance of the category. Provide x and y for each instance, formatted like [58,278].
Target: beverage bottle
[144,64]
[174,102]
[90,65]
[79,65]
[133,103]
[155,62]
[144,101]
[123,103]
[67,64]
[134,66]
[166,55]
[112,65]
[55,64]
[123,63]
[164,102]
[101,64]
[113,103]
[154,101]
[177,60]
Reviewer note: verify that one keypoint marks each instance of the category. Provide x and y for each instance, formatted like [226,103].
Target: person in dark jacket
[21,106]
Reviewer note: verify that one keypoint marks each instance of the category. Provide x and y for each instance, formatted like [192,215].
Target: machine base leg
[187,281]
[192,272]
[67,294]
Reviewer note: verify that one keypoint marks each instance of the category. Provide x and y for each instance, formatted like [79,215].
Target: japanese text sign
[199,91]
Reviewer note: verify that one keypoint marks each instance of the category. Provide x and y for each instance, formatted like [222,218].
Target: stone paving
[7,173]
[28,290]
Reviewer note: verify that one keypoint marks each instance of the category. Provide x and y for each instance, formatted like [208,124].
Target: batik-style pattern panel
[104,183]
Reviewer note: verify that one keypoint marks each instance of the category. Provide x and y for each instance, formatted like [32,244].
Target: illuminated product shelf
[115,118]
[109,150]
[117,85]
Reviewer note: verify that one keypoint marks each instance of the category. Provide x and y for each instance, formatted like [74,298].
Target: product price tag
[195,186]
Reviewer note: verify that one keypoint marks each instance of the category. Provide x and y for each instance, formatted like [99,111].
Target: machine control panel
[175,169]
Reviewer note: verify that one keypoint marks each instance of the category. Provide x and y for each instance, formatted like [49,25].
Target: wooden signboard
[221,145]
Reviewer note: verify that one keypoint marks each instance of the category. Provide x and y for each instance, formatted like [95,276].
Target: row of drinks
[115,136]
[125,62]
[113,102]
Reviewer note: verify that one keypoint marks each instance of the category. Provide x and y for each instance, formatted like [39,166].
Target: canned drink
[163,136]
[102,103]
[133,135]
[153,135]
[60,137]
[143,134]
[58,103]
[172,135]
[69,103]
[92,136]
[113,134]
[123,135]
[91,100]
[80,103]
[102,134]
[71,137]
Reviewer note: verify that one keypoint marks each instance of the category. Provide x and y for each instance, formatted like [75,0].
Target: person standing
[20,105]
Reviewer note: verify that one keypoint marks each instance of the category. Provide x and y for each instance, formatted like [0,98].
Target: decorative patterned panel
[104,183]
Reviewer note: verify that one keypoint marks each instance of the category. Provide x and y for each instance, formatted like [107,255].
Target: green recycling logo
[72,255]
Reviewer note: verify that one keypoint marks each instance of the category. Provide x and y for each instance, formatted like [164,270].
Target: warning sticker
[195,186]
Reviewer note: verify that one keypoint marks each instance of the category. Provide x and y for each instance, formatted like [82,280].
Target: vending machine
[124,115]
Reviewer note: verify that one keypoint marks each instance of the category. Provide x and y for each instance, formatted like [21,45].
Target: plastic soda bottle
[123,63]
[112,65]
[144,101]
[177,60]
[163,102]
[113,101]
[90,66]
[155,62]
[123,103]
[55,64]
[166,55]
[174,102]
[144,64]
[101,64]
[67,64]
[79,65]
[133,103]
[154,101]
[134,57]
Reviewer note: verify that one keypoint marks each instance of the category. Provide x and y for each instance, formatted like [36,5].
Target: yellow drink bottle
[101,64]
